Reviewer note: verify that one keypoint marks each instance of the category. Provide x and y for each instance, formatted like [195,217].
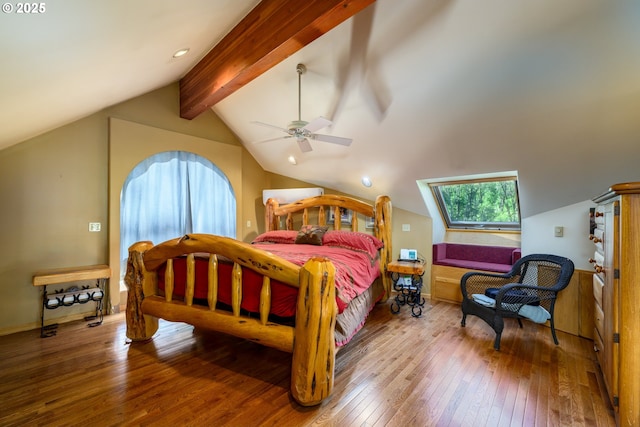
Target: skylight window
[479,204]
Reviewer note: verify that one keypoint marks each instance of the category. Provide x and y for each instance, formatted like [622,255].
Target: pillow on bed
[277,236]
[353,240]
[311,235]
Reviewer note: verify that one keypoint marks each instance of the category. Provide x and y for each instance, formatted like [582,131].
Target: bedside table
[407,281]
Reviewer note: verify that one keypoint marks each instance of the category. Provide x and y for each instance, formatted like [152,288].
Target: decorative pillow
[353,240]
[277,236]
[311,234]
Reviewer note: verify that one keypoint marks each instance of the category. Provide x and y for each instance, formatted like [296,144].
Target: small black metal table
[407,282]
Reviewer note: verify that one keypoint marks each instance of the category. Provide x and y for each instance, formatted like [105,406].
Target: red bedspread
[355,272]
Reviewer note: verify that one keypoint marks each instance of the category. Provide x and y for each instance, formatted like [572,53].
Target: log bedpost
[271,219]
[314,350]
[383,232]
[140,282]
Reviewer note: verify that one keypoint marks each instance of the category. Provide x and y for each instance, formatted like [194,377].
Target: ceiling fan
[303,131]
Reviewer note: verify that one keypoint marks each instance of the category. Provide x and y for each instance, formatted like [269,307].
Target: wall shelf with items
[74,294]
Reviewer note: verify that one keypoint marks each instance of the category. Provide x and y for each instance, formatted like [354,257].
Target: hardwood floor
[398,371]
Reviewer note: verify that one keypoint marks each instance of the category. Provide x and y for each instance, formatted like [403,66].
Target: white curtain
[171,194]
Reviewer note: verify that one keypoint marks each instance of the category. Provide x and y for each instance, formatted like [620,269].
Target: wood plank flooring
[398,371]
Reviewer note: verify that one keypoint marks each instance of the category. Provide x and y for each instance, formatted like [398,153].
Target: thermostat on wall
[408,255]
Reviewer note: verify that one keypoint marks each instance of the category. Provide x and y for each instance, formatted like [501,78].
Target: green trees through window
[489,204]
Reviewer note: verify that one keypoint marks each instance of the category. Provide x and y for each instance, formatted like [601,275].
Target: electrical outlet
[94,227]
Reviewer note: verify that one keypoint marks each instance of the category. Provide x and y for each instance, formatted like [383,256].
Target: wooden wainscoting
[574,306]
[445,283]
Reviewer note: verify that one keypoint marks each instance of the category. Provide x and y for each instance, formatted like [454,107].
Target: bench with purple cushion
[476,257]
[452,260]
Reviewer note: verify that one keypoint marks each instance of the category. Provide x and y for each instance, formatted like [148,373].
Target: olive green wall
[53,185]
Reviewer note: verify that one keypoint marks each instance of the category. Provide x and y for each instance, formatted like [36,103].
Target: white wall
[538,234]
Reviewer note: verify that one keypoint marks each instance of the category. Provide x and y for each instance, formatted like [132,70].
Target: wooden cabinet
[445,283]
[616,291]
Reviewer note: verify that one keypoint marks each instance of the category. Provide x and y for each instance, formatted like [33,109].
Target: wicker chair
[534,281]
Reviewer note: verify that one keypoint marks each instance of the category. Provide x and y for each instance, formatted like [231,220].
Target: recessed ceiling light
[181,52]
[366,181]
[292,160]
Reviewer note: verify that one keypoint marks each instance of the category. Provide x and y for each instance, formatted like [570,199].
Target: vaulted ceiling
[425,88]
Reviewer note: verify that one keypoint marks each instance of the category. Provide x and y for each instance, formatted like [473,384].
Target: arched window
[171,194]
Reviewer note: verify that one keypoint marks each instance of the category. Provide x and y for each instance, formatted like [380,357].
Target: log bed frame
[311,340]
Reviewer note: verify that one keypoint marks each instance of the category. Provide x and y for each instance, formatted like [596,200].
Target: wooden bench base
[445,283]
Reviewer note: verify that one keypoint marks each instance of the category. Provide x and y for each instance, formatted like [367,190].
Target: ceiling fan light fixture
[366,181]
[297,124]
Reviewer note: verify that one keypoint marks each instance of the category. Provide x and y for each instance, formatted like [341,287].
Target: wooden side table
[72,295]
[407,282]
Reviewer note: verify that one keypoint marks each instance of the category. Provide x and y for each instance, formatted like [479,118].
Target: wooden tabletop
[406,267]
[71,274]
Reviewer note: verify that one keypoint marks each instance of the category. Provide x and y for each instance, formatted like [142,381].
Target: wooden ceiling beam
[271,32]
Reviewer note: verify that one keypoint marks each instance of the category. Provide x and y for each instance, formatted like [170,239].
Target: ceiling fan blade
[271,126]
[272,139]
[304,145]
[352,70]
[376,94]
[317,124]
[332,139]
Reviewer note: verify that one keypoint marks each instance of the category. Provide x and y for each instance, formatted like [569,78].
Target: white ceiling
[548,88]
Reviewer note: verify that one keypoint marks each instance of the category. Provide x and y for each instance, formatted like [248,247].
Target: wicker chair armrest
[477,282]
[532,295]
